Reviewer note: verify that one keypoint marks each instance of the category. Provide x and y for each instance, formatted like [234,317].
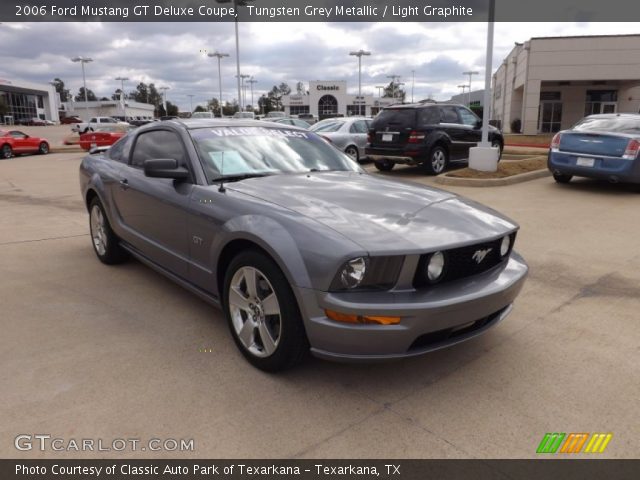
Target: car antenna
[222,189]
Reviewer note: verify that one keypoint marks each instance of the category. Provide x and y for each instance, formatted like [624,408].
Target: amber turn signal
[364,319]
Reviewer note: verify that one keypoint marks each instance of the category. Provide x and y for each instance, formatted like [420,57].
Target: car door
[153,210]
[450,123]
[472,128]
[358,130]
[20,141]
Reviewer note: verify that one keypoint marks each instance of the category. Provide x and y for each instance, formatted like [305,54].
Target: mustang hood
[380,215]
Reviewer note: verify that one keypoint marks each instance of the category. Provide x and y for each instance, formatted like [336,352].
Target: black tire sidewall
[384,165]
[428,165]
[355,149]
[44,150]
[2,150]
[293,344]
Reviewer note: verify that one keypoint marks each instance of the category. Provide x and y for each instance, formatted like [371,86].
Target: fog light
[505,245]
[365,319]
[435,267]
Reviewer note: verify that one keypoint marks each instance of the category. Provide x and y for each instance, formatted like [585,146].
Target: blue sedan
[598,146]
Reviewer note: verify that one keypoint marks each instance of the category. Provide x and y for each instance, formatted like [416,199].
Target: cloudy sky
[171,54]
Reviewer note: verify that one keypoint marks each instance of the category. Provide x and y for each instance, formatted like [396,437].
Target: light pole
[251,82]
[463,87]
[82,61]
[360,53]
[124,105]
[164,98]
[393,85]
[470,73]
[243,100]
[413,82]
[219,56]
[236,4]
[191,95]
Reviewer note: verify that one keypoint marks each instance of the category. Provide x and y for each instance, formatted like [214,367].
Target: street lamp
[236,4]
[393,85]
[463,87]
[164,98]
[470,74]
[251,81]
[219,56]
[124,105]
[243,99]
[360,53]
[82,61]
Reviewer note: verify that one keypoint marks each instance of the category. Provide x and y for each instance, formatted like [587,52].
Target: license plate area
[387,137]
[585,162]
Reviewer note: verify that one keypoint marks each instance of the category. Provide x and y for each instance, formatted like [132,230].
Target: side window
[158,144]
[93,120]
[468,117]
[448,115]
[119,151]
[359,126]
[429,116]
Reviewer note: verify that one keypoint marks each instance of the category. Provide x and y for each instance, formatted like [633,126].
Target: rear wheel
[561,177]
[6,151]
[352,151]
[44,148]
[437,161]
[384,165]
[105,242]
[262,313]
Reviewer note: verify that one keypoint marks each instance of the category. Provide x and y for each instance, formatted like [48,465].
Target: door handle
[124,184]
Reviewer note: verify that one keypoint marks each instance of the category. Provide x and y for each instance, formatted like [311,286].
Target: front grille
[448,335]
[463,262]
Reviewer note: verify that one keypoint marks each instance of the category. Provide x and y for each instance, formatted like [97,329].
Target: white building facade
[24,100]
[548,84]
[108,108]
[329,98]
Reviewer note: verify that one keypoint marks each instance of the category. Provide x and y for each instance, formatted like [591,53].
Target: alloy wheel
[438,160]
[98,231]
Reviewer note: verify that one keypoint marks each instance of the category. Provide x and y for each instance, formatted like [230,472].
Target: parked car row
[15,142]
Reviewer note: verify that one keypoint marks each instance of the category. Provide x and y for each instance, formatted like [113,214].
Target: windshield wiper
[240,176]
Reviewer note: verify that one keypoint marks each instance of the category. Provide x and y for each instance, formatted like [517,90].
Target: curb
[492,182]
[66,149]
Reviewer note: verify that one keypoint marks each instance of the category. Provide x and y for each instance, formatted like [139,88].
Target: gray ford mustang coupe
[301,248]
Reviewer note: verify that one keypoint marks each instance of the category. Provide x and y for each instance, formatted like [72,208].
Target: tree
[199,108]
[300,90]
[116,94]
[213,105]
[90,95]
[391,91]
[65,95]
[275,95]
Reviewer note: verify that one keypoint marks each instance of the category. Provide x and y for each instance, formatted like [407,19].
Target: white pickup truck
[96,123]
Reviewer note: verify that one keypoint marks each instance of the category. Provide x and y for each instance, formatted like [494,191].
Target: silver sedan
[347,134]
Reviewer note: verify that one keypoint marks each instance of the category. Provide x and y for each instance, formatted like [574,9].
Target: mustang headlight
[435,267]
[373,273]
[353,272]
[505,245]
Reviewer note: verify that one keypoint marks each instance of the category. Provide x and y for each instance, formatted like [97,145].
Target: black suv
[427,134]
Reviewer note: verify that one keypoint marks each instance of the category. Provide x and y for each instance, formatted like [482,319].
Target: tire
[269,341]
[352,151]
[105,243]
[384,165]
[561,177]
[6,151]
[44,148]
[437,161]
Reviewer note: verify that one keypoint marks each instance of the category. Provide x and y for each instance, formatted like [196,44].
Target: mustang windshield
[256,151]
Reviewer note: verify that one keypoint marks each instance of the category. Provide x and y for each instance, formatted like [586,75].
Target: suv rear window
[402,117]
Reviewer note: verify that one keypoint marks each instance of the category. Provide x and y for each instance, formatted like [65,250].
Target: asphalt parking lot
[90,351]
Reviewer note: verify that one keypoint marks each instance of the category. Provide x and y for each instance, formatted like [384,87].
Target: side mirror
[165,168]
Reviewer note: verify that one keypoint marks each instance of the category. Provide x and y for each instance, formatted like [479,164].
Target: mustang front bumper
[432,318]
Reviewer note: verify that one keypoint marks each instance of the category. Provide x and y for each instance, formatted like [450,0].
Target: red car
[13,142]
[99,139]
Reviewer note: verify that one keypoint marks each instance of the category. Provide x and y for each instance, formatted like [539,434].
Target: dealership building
[108,108]
[547,84]
[20,101]
[329,98]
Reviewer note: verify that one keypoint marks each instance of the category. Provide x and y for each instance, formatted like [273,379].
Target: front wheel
[7,151]
[262,313]
[44,148]
[437,161]
[105,242]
